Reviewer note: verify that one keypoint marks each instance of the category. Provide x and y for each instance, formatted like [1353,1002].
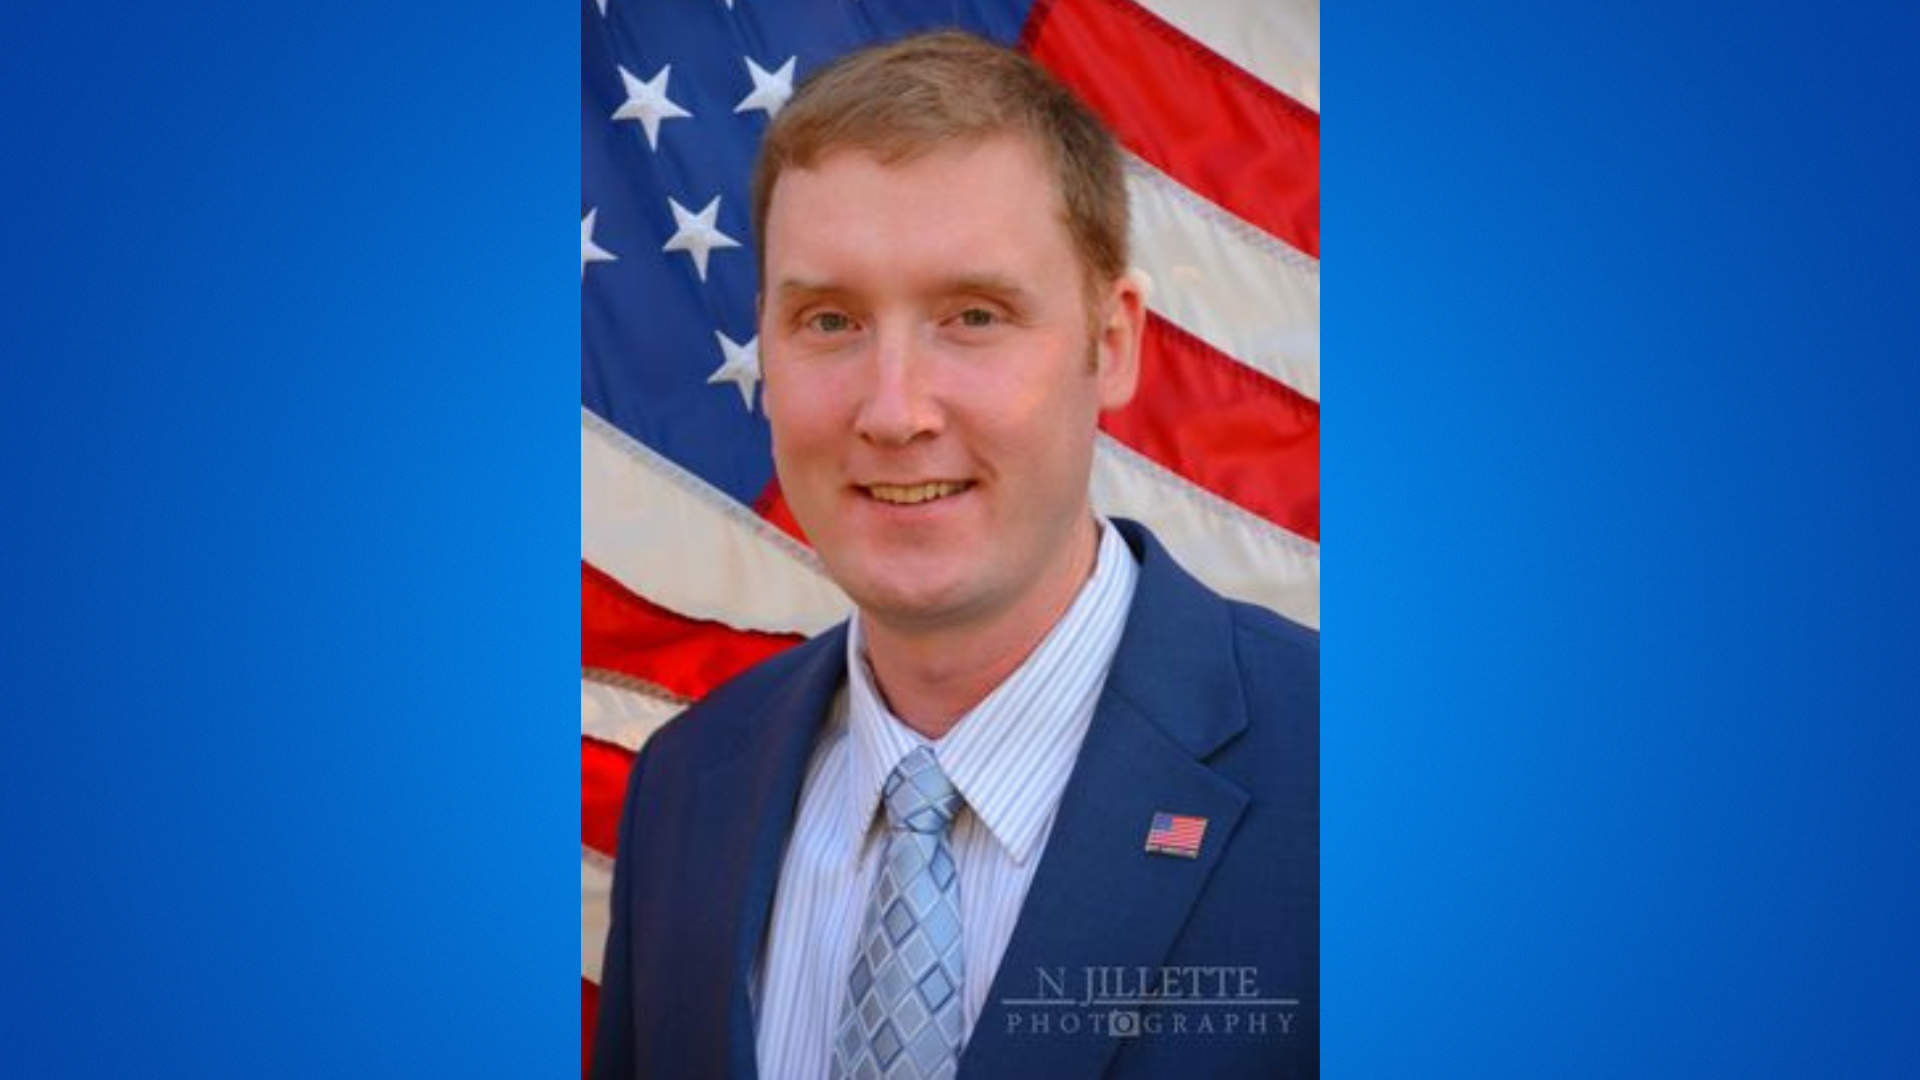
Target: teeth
[915,493]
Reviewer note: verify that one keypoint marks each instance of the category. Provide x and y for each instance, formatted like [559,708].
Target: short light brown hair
[907,98]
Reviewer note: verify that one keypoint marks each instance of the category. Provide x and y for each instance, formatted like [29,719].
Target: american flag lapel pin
[1176,834]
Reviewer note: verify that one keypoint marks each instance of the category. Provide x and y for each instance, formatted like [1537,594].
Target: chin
[908,599]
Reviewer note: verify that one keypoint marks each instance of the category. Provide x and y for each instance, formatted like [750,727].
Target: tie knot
[919,796]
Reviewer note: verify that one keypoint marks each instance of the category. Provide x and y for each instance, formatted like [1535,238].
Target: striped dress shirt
[1009,757]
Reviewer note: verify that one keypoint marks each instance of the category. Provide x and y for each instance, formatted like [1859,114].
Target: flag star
[741,367]
[696,234]
[591,252]
[770,89]
[603,7]
[648,103]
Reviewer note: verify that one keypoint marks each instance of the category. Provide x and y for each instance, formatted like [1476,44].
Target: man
[1045,806]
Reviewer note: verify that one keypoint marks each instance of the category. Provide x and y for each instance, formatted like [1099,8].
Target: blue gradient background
[287,413]
[1620,757]
[1620,753]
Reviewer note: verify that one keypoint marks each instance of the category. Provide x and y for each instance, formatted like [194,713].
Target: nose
[900,404]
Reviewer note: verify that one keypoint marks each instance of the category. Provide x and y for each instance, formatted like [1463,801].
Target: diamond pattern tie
[901,1017]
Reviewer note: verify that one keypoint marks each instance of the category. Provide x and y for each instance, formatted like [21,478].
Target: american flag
[1176,834]
[690,567]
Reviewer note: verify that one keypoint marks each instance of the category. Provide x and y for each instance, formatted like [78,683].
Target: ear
[1117,344]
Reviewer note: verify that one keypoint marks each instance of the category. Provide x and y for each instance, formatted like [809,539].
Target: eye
[978,318]
[830,322]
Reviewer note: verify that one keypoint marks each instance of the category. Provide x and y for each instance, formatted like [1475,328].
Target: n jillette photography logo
[1128,1002]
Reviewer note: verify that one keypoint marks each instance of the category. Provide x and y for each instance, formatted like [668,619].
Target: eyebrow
[1004,290]
[790,289]
[996,286]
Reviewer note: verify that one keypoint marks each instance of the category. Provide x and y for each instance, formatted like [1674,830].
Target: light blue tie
[901,1016]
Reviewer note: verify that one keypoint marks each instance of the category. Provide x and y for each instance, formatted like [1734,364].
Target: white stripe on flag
[676,541]
[1226,282]
[596,891]
[1277,41]
[1235,552]
[621,715]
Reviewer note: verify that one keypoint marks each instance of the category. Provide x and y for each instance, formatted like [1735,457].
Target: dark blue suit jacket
[1211,710]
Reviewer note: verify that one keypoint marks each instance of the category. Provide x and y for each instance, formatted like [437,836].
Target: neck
[932,676]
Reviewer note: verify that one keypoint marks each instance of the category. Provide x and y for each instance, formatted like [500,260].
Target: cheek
[1061,442]
[798,412]
[811,440]
[1043,446]
[792,442]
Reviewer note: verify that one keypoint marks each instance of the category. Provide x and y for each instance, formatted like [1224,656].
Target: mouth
[915,494]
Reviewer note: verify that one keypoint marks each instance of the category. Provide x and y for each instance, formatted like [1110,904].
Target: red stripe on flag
[589,1018]
[772,505]
[604,769]
[1243,436]
[1198,117]
[689,657]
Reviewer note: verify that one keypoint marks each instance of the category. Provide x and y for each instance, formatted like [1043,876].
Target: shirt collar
[1009,756]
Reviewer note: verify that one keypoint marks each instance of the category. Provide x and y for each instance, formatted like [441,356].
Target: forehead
[988,205]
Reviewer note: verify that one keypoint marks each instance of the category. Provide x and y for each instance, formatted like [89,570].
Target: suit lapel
[1099,902]
[753,796]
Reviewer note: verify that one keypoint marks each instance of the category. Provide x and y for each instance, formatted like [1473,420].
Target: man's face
[933,376]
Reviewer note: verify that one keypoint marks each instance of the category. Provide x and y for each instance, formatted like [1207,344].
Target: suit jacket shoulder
[740,711]
[709,803]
